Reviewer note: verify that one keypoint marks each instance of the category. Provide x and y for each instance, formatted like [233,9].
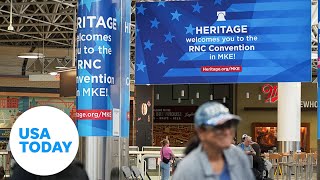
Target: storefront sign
[103,33]
[174,114]
[309,104]
[222,41]
[271,92]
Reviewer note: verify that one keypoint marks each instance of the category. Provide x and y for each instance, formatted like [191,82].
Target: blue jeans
[165,171]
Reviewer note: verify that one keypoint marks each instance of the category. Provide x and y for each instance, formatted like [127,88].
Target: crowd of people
[213,152]
[259,165]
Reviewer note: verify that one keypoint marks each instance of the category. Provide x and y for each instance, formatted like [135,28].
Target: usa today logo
[44,146]
[44,140]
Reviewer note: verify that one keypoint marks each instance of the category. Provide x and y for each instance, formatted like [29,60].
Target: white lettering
[86,79]
[126,27]
[86,92]
[91,18]
[309,104]
[88,64]
[95,92]
[97,22]
[237,29]
[101,22]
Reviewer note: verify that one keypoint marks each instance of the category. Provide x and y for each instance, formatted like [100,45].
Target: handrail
[158,148]
[142,169]
[134,148]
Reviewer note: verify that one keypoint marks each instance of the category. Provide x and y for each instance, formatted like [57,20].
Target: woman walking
[166,156]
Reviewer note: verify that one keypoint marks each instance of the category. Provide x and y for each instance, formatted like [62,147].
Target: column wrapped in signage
[125,72]
[102,67]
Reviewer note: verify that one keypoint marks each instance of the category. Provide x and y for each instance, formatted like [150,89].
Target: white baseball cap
[244,136]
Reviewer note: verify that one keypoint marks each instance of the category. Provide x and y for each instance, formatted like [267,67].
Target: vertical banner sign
[223,41]
[125,62]
[101,68]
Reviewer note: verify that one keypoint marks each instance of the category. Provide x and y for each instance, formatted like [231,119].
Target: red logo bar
[221,69]
[94,114]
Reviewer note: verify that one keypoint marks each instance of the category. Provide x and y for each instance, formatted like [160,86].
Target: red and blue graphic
[103,67]
[220,41]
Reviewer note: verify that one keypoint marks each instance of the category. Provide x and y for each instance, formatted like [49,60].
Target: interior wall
[166,95]
[178,127]
[308,93]
[11,105]
[24,82]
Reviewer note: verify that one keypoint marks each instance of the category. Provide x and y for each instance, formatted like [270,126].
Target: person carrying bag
[166,155]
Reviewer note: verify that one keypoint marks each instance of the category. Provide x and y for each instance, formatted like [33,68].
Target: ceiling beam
[56,28]
[37,24]
[46,32]
[23,10]
[69,3]
[27,40]
[53,24]
[65,3]
[41,14]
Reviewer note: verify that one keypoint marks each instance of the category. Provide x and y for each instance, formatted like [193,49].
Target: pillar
[318,116]
[318,113]
[103,80]
[289,116]
[144,115]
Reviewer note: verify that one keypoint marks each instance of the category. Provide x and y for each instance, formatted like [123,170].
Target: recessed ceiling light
[31,55]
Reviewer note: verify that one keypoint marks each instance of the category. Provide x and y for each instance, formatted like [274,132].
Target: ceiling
[35,21]
[50,24]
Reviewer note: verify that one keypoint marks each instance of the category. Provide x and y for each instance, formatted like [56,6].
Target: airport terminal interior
[38,57]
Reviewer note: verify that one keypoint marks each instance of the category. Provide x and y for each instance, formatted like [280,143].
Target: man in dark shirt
[258,162]
[256,148]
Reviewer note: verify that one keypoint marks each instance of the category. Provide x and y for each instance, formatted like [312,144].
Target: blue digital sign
[219,41]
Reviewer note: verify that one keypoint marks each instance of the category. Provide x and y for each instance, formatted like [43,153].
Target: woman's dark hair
[192,144]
